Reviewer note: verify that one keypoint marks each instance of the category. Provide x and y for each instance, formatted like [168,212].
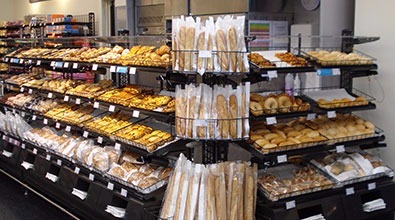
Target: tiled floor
[15,205]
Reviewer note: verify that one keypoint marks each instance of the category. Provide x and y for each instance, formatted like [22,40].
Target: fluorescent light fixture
[34,1]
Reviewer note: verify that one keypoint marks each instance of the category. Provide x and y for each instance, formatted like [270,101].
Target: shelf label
[110,186]
[77,101]
[136,114]
[86,134]
[124,193]
[372,186]
[6,60]
[336,72]
[94,67]
[59,64]
[51,177]
[53,63]
[66,98]
[34,117]
[324,72]
[77,170]
[340,149]
[91,177]
[21,61]
[122,69]
[290,205]
[30,91]
[14,111]
[57,125]
[66,65]
[59,162]
[132,70]
[16,60]
[22,89]
[271,120]
[350,191]
[282,158]
[50,95]
[111,108]
[204,54]
[96,105]
[68,128]
[38,62]
[311,116]
[23,146]
[7,154]
[48,157]
[272,74]
[75,65]
[331,114]
[35,151]
[5,137]
[45,121]
[99,140]
[23,114]
[117,146]
[113,69]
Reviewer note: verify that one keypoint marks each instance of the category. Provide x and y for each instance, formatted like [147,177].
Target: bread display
[21,79]
[109,123]
[35,103]
[273,104]
[73,114]
[260,61]
[336,98]
[331,58]
[60,86]
[292,59]
[340,103]
[91,90]
[292,180]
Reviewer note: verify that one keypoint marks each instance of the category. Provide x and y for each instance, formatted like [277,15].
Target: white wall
[376,19]
[7,10]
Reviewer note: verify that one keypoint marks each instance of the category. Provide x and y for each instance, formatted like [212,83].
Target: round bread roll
[277,140]
[293,134]
[313,134]
[270,136]
[260,143]
[255,137]
[269,146]
[256,109]
[369,125]
[271,105]
[282,134]
[286,143]
[284,103]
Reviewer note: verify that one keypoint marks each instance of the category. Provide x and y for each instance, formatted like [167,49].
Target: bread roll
[220,38]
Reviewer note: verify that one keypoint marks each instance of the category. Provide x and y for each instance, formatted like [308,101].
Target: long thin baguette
[189,44]
[233,107]
[182,35]
[232,38]
[220,37]
[201,46]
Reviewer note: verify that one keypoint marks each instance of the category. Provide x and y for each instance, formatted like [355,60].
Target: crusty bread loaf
[189,46]
[182,35]
[233,107]
[232,38]
[223,116]
[201,46]
[220,38]
[210,66]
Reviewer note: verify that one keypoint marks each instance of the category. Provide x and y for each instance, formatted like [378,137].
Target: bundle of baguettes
[209,46]
[213,192]
[203,112]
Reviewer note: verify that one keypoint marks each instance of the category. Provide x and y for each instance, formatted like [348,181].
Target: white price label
[66,65]
[4,137]
[21,61]
[59,162]
[53,63]
[77,170]
[282,158]
[68,128]
[45,121]
[14,111]
[340,149]
[38,62]
[51,177]
[57,125]
[30,61]
[77,101]
[7,154]
[23,114]
[110,186]
[35,151]
[350,191]
[136,114]
[23,146]
[336,72]
[34,117]
[99,140]
[22,89]
[30,91]
[204,54]
[48,157]
[372,186]
[6,60]
[271,120]
[85,134]
[332,114]
[75,65]
[113,69]
[117,146]
[94,67]
[66,98]
[111,108]
[132,70]
[96,105]
[91,177]
[124,193]
[50,95]
[272,74]
[311,116]
[290,205]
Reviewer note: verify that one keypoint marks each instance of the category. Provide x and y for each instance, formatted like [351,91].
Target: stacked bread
[90,90]
[330,58]
[31,102]
[260,61]
[292,59]
[109,123]
[340,103]
[203,112]
[218,191]
[73,114]
[276,103]
[20,79]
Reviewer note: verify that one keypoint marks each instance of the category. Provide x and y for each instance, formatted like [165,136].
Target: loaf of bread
[223,61]
[223,116]
[189,46]
[182,35]
[232,38]
[233,107]
[201,46]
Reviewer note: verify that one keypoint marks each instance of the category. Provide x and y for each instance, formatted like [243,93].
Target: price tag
[311,116]
[324,72]
[53,63]
[111,108]
[45,121]
[122,69]
[66,98]
[350,191]
[110,186]
[30,91]
[66,65]
[99,140]
[57,125]
[113,69]
[4,137]
[290,205]
[372,186]
[336,72]
[7,154]
[94,67]
[272,74]
[30,61]
[91,177]
[59,64]
[38,62]
[332,114]
[59,162]
[124,193]
[51,177]
[136,114]
[68,128]
[22,89]
[35,151]
[117,146]
[34,117]
[77,101]
[23,114]
[75,65]
[132,70]
[50,95]
[14,111]
[23,146]
[282,158]
[204,54]
[6,60]
[85,134]
[96,105]
[340,149]
[48,157]
[271,120]
[21,61]
[77,170]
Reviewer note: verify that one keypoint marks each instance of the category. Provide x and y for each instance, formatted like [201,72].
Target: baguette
[223,116]
[233,200]
[210,66]
[189,45]
[191,108]
[200,46]
[180,112]
[233,116]
[181,43]
[232,38]
[201,130]
[249,197]
[220,37]
[210,205]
